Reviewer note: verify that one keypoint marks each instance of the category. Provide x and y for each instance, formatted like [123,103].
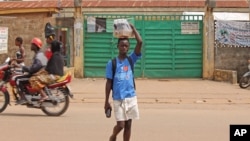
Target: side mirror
[7,60]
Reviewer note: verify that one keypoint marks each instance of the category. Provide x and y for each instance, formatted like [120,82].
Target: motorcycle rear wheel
[59,108]
[4,100]
[244,82]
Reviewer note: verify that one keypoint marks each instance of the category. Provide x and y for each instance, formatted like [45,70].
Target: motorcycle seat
[66,76]
[63,80]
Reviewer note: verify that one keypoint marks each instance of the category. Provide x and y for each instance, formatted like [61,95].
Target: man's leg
[20,86]
[17,83]
[127,130]
[117,129]
[43,95]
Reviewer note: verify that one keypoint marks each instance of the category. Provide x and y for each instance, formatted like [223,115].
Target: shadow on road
[22,115]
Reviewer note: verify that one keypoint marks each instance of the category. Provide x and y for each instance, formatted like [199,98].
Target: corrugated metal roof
[143,3]
[122,3]
[232,4]
[33,4]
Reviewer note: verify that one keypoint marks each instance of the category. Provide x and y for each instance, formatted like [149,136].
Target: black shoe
[21,102]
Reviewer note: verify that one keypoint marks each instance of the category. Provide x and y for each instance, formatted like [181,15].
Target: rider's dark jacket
[55,64]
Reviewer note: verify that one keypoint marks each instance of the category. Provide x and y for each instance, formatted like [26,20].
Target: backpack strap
[131,63]
[114,69]
[132,68]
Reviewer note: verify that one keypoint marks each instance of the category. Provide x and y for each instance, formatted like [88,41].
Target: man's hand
[107,106]
[13,59]
[132,26]
[14,64]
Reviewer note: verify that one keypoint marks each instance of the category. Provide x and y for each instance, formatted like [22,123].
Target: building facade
[175,46]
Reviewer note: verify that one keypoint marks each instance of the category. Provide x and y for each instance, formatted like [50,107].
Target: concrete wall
[27,26]
[232,58]
[208,45]
[225,75]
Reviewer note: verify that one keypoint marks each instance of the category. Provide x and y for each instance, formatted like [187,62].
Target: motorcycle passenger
[52,72]
[39,62]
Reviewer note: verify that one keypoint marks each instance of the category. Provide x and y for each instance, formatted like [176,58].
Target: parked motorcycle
[58,93]
[245,79]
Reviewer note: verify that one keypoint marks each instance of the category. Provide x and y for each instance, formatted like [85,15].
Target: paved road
[176,110]
[159,122]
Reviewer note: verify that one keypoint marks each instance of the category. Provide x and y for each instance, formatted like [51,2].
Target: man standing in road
[121,82]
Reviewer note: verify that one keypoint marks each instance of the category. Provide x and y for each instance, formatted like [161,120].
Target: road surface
[158,122]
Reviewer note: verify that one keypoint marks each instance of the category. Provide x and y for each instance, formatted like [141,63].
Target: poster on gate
[3,40]
[233,33]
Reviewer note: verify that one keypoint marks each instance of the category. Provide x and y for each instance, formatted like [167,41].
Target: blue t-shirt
[123,85]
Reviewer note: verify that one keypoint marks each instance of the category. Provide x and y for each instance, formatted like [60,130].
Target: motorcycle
[58,93]
[245,79]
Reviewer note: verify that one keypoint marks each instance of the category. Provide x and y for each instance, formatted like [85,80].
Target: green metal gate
[172,46]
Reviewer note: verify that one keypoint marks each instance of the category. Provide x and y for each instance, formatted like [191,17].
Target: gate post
[208,44]
[78,40]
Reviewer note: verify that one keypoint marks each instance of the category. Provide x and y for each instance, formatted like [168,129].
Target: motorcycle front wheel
[4,100]
[244,82]
[60,105]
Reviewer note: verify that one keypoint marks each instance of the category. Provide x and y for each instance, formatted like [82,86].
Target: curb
[170,101]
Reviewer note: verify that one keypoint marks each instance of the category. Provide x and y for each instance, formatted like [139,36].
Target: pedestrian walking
[120,79]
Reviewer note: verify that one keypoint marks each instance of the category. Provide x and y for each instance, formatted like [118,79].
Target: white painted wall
[231,16]
[223,15]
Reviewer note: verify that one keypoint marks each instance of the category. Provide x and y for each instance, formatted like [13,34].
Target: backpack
[114,69]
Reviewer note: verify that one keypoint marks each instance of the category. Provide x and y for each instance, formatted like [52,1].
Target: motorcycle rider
[52,72]
[39,62]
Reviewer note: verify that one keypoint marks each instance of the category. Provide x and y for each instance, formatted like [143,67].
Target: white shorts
[126,109]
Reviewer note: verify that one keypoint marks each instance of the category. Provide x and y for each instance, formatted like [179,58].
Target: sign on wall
[190,28]
[96,24]
[233,33]
[3,40]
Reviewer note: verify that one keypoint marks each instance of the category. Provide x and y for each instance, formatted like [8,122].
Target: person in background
[123,89]
[19,55]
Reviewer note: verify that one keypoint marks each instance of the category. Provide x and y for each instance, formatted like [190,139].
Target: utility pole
[249,10]
[78,40]
[208,40]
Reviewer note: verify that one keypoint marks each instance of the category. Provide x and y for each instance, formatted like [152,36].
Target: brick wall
[27,26]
